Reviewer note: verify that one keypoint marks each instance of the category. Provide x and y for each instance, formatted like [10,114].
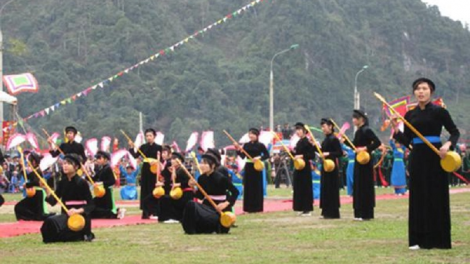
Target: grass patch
[279,237]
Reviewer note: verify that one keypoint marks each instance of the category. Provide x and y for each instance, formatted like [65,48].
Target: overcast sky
[455,9]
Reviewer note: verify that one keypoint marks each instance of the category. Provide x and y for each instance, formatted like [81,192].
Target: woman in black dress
[363,187]
[253,186]
[148,179]
[329,194]
[105,207]
[429,211]
[33,208]
[202,218]
[303,192]
[171,210]
[76,196]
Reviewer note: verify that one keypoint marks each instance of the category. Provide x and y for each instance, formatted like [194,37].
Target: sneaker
[121,213]
[306,214]
[171,221]
[152,217]
[415,247]
[358,219]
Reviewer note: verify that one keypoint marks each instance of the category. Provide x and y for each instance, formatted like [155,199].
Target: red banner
[7,129]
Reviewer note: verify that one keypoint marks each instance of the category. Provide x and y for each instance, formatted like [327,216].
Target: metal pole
[271,99]
[1,57]
[271,86]
[1,73]
[357,100]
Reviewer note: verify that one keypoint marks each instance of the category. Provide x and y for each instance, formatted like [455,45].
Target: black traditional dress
[303,191]
[74,193]
[105,207]
[363,186]
[429,210]
[148,179]
[329,188]
[169,208]
[253,180]
[70,147]
[32,208]
[203,218]
[152,204]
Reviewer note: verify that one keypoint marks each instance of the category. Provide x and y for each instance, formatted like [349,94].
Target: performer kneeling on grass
[75,194]
[171,210]
[105,207]
[203,218]
[33,208]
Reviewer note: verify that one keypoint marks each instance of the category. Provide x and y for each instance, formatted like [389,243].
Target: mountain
[220,79]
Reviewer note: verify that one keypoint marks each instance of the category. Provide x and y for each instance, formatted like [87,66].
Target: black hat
[359,113]
[73,158]
[71,129]
[326,121]
[177,155]
[103,154]
[210,157]
[299,125]
[424,80]
[254,131]
[35,156]
[215,152]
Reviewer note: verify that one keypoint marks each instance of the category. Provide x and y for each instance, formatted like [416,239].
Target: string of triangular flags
[103,83]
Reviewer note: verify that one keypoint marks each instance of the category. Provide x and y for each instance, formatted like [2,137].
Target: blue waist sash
[432,139]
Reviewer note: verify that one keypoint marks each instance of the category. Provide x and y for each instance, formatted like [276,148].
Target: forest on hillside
[220,79]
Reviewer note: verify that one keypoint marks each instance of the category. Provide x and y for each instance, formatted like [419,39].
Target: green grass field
[259,238]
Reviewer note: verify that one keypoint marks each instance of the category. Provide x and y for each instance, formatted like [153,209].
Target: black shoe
[89,237]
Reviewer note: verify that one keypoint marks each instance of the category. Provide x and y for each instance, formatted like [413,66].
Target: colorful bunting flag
[28,84]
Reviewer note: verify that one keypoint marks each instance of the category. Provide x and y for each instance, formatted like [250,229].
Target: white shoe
[152,217]
[358,219]
[171,221]
[415,247]
[306,214]
[121,213]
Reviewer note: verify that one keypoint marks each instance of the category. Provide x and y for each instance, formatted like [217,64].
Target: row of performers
[74,192]
[429,212]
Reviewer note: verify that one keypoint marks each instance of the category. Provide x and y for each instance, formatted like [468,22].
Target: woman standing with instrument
[329,188]
[148,178]
[303,192]
[429,211]
[365,141]
[253,181]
